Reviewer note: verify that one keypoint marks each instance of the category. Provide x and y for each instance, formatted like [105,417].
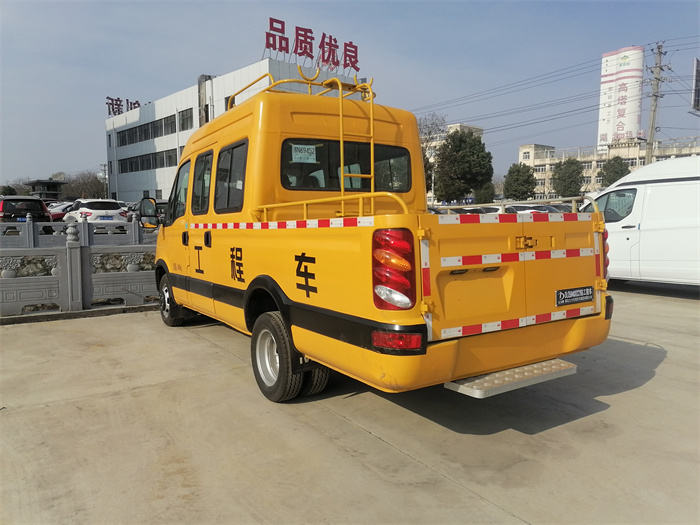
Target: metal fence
[75,266]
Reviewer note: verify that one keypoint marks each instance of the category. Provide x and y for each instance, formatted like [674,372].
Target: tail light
[393,272]
[397,341]
[84,214]
[606,249]
[123,214]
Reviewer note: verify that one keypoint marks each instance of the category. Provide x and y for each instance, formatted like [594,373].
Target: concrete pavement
[120,419]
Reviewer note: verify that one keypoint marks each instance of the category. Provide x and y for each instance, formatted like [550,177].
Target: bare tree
[84,184]
[431,128]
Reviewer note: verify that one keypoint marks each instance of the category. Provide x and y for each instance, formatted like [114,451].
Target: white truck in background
[653,220]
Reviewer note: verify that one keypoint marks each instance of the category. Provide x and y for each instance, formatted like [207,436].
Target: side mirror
[147,208]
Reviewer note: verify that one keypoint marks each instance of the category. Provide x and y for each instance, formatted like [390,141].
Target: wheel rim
[267,358]
[165,301]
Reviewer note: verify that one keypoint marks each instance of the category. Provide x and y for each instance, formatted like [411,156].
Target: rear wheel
[271,355]
[170,311]
[315,381]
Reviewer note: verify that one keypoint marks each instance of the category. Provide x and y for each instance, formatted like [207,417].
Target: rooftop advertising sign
[329,56]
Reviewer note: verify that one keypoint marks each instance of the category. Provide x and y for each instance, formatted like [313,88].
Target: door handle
[185,238]
[628,227]
[207,239]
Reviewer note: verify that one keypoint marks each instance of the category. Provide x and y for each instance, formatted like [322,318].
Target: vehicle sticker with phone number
[574,296]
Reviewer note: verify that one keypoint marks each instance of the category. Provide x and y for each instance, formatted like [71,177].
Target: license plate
[574,295]
[105,218]
[21,219]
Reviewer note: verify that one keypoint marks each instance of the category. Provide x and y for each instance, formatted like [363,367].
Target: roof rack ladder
[365,91]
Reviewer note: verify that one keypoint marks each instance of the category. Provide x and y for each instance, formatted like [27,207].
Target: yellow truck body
[305,214]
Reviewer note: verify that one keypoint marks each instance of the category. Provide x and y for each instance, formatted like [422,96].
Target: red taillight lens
[85,214]
[122,213]
[396,340]
[393,274]
[393,240]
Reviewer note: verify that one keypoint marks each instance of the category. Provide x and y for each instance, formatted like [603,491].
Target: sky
[527,72]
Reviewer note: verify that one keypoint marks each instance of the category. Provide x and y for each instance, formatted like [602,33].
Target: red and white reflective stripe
[425,266]
[596,245]
[508,324]
[498,258]
[350,222]
[501,218]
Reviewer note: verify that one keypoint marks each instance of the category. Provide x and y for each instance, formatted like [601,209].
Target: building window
[145,132]
[145,162]
[540,182]
[159,160]
[170,158]
[587,165]
[145,194]
[185,119]
[149,161]
[586,180]
[599,179]
[159,194]
[169,125]
[540,169]
[599,164]
[157,128]
[526,155]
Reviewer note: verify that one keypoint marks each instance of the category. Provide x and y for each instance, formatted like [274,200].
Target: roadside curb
[59,316]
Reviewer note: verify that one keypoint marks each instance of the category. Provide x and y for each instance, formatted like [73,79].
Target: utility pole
[655,96]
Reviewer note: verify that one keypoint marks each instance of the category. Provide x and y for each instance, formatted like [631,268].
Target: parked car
[59,210]
[498,209]
[564,207]
[15,208]
[534,208]
[95,210]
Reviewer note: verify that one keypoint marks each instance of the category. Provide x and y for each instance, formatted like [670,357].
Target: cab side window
[618,204]
[200,183]
[230,178]
[178,196]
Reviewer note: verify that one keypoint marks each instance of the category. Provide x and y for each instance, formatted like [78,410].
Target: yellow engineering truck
[301,219]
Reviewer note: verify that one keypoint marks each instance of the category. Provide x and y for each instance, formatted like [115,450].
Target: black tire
[170,311]
[315,381]
[271,356]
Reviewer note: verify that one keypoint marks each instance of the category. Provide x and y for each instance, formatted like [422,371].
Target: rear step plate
[506,380]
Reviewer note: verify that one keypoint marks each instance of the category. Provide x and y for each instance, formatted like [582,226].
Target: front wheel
[170,311]
[271,355]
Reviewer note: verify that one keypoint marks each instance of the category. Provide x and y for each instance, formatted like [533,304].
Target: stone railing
[75,266]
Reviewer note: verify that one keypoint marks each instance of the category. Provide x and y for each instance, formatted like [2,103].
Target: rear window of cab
[314,164]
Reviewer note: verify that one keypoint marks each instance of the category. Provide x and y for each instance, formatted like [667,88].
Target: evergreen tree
[462,165]
[520,182]
[613,170]
[567,178]
[485,194]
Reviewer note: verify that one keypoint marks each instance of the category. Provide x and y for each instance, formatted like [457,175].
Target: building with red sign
[145,142]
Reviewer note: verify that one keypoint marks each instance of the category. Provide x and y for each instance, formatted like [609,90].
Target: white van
[653,220]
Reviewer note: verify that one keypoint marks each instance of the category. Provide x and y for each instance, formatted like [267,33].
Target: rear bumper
[455,359]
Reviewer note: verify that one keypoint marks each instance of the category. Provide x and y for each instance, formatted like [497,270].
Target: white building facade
[145,143]
[543,159]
